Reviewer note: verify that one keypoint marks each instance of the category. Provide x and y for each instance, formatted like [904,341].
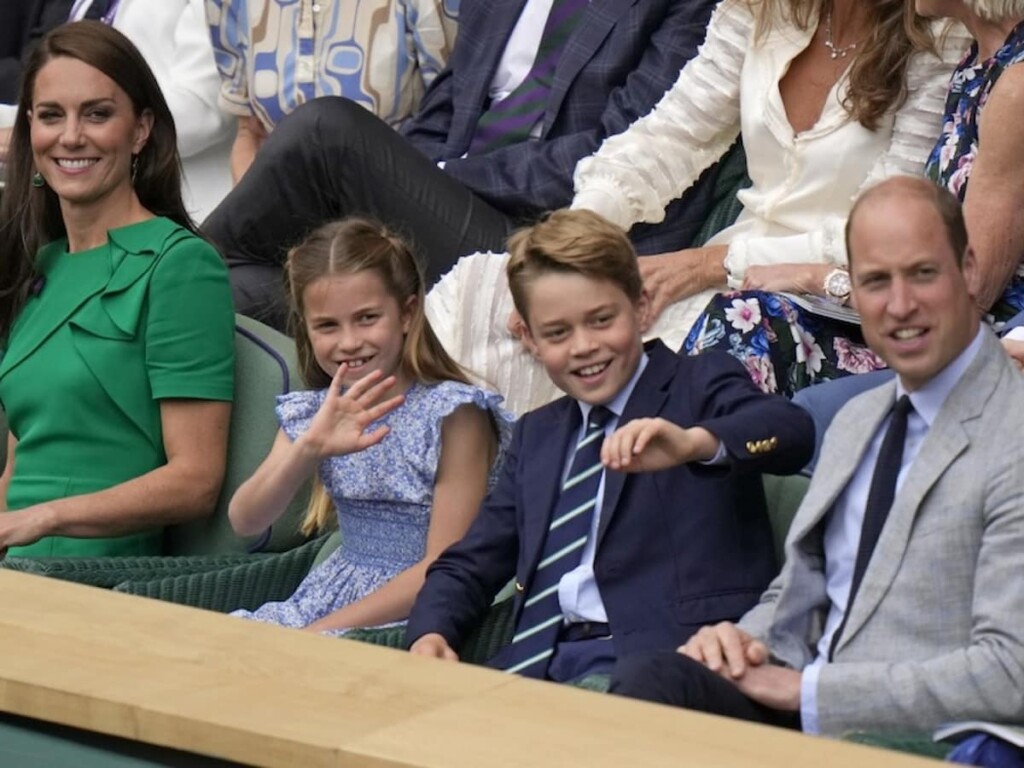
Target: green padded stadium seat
[265,367]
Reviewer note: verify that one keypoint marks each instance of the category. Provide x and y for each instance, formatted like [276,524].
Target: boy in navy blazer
[611,552]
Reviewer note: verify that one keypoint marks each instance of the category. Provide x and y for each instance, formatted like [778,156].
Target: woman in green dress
[115,317]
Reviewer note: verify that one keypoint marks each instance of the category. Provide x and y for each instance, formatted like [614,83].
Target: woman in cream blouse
[829,97]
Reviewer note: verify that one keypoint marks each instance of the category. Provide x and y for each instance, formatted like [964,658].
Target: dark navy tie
[511,120]
[880,499]
[541,618]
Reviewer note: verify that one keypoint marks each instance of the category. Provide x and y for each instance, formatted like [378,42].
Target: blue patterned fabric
[382,495]
[274,55]
[953,157]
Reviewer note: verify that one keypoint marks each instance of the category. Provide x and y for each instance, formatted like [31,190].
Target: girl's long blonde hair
[878,74]
[344,248]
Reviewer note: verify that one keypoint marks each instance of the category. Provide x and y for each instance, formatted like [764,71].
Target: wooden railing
[261,695]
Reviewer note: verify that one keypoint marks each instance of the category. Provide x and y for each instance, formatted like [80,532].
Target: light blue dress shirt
[844,522]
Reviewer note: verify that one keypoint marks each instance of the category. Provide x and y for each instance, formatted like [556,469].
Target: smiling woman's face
[84,131]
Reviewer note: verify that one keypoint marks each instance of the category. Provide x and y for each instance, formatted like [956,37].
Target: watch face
[838,284]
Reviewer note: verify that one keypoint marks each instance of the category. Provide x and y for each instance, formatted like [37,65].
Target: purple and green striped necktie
[511,120]
[536,633]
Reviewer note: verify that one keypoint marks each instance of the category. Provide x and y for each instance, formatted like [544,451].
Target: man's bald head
[887,196]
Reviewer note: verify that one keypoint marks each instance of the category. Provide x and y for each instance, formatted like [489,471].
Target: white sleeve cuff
[809,699]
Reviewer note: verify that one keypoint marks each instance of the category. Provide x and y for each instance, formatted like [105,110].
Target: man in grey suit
[900,606]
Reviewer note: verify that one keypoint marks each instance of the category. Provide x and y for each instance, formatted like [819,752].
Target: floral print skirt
[784,347]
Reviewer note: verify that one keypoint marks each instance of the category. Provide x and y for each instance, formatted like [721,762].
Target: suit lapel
[648,399]
[945,441]
[542,479]
[594,27]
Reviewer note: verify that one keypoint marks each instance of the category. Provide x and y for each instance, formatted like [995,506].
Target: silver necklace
[833,50]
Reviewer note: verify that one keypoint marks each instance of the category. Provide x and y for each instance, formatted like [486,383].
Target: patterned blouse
[274,55]
[952,158]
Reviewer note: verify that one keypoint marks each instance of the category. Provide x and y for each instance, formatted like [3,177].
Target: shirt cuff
[809,699]
[721,457]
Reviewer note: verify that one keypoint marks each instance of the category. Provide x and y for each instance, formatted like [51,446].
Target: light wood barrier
[261,695]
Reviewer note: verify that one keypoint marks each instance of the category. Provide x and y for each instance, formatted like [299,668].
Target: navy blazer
[676,550]
[618,64]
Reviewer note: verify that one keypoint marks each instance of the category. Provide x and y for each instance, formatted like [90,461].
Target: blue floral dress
[382,495]
[783,347]
[952,159]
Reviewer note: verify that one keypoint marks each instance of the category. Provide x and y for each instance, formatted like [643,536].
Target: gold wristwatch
[837,285]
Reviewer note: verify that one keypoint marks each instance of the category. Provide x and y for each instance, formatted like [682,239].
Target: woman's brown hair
[878,73]
[30,216]
[344,248]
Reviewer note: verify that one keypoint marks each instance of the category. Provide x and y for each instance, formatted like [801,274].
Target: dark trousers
[667,677]
[329,159]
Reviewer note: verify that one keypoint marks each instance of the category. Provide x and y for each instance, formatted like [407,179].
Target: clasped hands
[733,654]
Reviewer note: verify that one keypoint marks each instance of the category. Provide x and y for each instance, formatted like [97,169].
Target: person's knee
[660,676]
[319,121]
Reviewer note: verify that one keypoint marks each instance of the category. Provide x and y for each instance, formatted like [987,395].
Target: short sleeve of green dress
[109,333]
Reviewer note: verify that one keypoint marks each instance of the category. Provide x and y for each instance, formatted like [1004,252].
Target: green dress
[108,334]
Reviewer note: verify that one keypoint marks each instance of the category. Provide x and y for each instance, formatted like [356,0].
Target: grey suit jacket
[936,633]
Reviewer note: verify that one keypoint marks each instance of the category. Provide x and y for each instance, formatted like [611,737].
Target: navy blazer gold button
[762,446]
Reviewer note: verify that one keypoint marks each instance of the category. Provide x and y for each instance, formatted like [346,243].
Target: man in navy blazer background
[654,553]
[451,195]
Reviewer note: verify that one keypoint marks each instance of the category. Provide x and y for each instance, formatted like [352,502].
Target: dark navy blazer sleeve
[761,432]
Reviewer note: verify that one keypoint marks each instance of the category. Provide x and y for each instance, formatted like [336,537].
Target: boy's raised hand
[339,426]
[649,445]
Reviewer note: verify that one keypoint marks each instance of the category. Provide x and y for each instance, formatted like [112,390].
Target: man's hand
[433,646]
[649,445]
[725,649]
[772,686]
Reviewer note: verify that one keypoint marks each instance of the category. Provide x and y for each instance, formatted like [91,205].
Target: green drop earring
[38,180]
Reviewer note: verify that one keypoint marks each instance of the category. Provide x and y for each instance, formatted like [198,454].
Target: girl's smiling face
[353,319]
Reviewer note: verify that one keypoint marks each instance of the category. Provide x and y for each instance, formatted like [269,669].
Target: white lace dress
[795,210]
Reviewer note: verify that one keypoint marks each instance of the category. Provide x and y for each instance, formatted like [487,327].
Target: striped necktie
[537,627]
[511,120]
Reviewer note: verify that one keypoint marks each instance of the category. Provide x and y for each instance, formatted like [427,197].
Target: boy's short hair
[572,242]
